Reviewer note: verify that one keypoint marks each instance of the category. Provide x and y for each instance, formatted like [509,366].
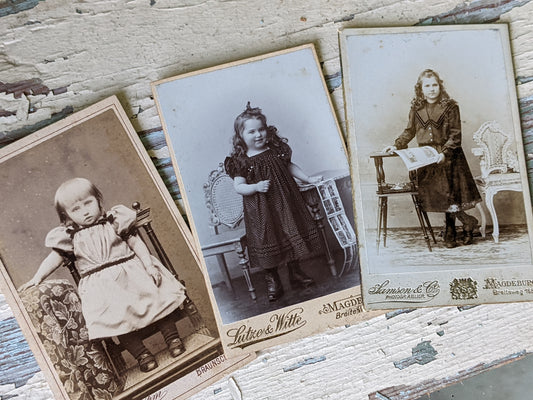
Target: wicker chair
[499,168]
[225,217]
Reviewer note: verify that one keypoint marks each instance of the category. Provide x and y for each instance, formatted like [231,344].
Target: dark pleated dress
[449,186]
[279,226]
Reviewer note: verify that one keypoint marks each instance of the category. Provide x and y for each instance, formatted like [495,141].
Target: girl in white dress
[122,288]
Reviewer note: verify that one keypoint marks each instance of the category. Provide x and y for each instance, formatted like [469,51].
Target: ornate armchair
[499,168]
[225,217]
[82,365]
[93,370]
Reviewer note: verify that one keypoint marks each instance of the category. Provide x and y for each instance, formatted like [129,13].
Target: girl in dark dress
[279,227]
[447,186]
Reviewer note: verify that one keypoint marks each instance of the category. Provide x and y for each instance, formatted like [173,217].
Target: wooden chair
[207,347]
[499,168]
[228,234]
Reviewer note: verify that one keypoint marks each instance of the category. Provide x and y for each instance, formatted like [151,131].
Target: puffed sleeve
[124,219]
[284,152]
[234,168]
[60,240]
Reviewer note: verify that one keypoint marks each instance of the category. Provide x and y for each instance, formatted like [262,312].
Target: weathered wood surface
[58,56]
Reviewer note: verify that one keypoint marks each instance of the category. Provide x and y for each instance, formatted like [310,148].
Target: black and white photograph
[99,262]
[266,184]
[441,191]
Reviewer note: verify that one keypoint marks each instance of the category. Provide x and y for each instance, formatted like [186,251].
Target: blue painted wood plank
[153,139]
[474,12]
[16,6]
[11,136]
[17,363]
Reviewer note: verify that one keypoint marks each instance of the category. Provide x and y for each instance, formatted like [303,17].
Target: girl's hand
[441,158]
[314,179]
[389,149]
[154,272]
[31,283]
[262,186]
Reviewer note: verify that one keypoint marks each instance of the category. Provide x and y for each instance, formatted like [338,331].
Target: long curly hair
[419,100]
[239,147]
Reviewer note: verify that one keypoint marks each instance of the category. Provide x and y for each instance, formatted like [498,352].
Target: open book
[417,157]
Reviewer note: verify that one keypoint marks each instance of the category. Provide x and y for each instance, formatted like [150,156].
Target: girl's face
[430,89]
[254,134]
[84,211]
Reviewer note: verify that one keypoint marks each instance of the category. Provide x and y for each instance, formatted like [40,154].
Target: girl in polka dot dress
[279,227]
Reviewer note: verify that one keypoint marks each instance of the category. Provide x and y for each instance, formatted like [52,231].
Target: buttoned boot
[297,278]
[469,224]
[274,287]
[450,233]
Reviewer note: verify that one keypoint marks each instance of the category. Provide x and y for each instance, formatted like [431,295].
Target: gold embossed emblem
[463,289]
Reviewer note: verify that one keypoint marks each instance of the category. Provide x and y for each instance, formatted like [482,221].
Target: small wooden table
[326,193]
[390,189]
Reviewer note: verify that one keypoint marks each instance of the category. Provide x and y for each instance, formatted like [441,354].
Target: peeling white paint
[100,48]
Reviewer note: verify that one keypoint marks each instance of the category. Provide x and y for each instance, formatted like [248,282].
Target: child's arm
[246,189]
[48,265]
[389,149]
[406,136]
[141,251]
[297,172]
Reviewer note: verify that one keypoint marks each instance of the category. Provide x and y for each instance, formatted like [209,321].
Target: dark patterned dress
[449,186]
[279,227]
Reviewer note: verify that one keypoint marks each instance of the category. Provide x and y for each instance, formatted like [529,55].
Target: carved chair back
[496,151]
[223,202]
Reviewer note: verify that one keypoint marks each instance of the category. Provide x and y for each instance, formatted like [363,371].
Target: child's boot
[450,233]
[167,326]
[297,277]
[132,342]
[274,287]
[469,224]
[176,347]
[147,361]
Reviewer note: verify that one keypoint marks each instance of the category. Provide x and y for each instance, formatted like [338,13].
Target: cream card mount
[88,222]
[265,179]
[456,231]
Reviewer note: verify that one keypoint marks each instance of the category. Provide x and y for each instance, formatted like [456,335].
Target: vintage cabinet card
[265,179]
[98,264]
[441,191]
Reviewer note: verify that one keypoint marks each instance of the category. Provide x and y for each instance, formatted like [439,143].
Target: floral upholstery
[82,365]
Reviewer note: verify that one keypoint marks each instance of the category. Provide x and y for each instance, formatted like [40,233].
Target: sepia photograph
[441,192]
[99,262]
[266,184]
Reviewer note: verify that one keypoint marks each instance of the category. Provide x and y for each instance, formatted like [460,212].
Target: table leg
[225,273]
[245,267]
[380,219]
[421,219]
[319,220]
[384,216]
[429,227]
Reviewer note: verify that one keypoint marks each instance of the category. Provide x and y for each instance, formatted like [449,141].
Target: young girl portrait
[122,288]
[447,186]
[279,228]
[266,185]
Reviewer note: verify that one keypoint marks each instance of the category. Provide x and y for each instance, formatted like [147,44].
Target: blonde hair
[73,190]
